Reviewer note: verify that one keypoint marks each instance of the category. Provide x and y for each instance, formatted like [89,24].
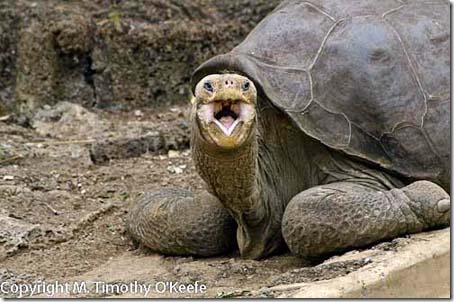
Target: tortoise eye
[208,86]
[246,85]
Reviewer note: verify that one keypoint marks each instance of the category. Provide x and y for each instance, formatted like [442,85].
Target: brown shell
[368,77]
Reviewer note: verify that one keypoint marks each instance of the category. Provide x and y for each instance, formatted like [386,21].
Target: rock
[15,234]
[113,54]
[183,125]
[102,152]
[9,36]
[8,276]
[65,120]
[170,141]
[176,169]
[173,154]
[4,118]
[53,59]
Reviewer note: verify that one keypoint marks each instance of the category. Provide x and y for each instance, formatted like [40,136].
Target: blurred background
[113,54]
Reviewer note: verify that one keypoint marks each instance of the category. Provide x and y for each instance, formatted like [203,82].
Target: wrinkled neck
[233,176]
[230,174]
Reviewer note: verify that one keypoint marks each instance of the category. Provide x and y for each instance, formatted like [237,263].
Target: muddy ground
[66,185]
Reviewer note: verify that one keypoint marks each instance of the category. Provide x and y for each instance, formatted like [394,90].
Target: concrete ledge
[419,270]
[414,267]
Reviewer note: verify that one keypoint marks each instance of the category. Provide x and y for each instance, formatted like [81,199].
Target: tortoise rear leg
[177,222]
[335,217]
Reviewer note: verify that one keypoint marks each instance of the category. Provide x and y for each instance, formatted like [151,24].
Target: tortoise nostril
[228,83]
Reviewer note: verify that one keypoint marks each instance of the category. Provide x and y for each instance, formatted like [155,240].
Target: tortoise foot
[174,221]
[333,218]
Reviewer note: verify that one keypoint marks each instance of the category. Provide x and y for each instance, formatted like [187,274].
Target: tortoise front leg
[339,216]
[174,221]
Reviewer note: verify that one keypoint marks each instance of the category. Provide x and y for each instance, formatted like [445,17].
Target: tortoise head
[224,109]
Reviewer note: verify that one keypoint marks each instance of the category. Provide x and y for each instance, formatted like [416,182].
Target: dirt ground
[62,216]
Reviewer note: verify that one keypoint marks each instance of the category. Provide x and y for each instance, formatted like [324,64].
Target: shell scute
[369,78]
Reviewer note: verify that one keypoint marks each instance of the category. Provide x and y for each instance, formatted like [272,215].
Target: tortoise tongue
[227,121]
[227,124]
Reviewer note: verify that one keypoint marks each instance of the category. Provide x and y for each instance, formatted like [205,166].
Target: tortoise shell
[370,78]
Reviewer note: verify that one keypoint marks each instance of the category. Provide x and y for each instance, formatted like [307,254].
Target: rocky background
[113,54]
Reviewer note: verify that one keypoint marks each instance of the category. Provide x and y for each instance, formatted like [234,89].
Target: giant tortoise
[326,129]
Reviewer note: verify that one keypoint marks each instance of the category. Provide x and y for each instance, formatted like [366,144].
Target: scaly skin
[278,184]
[336,217]
[174,221]
[228,164]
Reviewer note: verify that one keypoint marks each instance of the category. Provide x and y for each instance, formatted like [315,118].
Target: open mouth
[226,115]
